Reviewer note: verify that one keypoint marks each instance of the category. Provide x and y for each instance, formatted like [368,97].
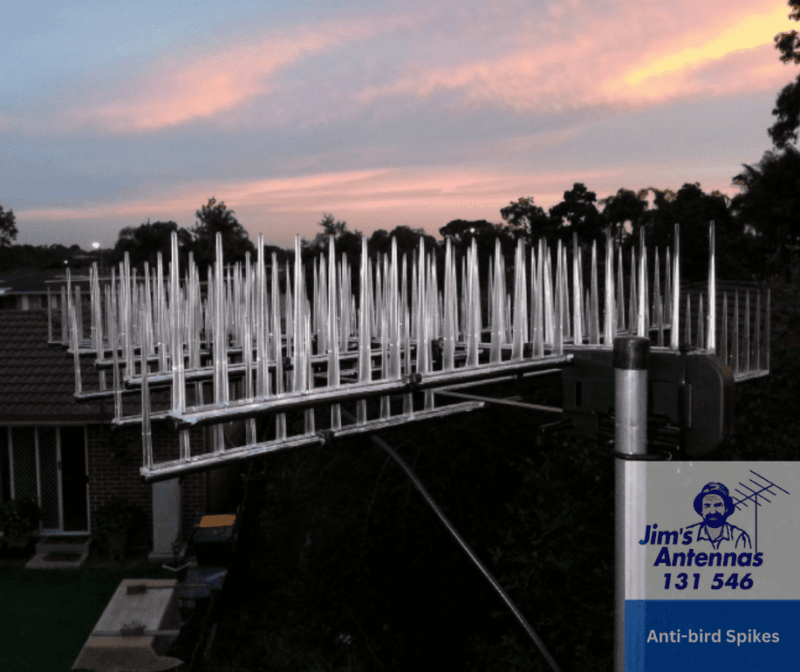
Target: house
[26,288]
[66,454]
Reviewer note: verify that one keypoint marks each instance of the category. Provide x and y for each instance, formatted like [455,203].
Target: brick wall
[114,462]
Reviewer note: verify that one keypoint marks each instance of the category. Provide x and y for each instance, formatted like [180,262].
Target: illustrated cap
[714,488]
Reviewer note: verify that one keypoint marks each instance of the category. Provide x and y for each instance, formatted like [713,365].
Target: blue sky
[381,113]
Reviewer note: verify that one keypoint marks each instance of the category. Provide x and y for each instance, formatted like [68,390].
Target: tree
[380,242]
[580,213]
[693,209]
[347,242]
[215,218]
[787,108]
[623,207]
[770,204]
[144,242]
[462,232]
[8,230]
[529,219]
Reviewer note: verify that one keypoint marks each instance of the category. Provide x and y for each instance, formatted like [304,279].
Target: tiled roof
[37,381]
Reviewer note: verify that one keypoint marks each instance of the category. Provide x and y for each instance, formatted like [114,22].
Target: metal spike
[735,356]
[560,291]
[747,332]
[332,335]
[676,292]
[633,305]
[724,334]
[450,303]
[496,311]
[687,339]
[700,322]
[538,322]
[519,335]
[147,436]
[594,332]
[609,328]
[712,291]
[767,333]
[656,293]
[220,344]
[549,322]
[76,359]
[620,296]
[473,307]
[667,304]
[757,348]
[587,314]
[577,290]
[641,324]
[394,316]
[277,342]
[364,340]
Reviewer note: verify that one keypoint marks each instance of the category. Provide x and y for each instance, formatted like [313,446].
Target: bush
[19,517]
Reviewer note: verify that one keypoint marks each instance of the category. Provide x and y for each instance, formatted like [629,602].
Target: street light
[96,246]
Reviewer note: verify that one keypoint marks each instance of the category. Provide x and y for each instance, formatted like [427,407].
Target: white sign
[717,567]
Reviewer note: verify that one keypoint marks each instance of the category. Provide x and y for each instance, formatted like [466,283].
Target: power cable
[454,533]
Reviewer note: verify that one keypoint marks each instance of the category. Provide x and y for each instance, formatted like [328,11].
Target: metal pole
[630,404]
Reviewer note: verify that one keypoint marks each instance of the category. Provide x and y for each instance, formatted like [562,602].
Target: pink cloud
[175,93]
[582,57]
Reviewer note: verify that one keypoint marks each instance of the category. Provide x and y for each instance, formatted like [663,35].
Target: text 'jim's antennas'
[267,356]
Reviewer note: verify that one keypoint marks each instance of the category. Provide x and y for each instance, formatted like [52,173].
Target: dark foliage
[8,228]
[525,218]
[770,208]
[380,242]
[215,218]
[144,243]
[577,213]
[622,208]
[42,257]
[787,107]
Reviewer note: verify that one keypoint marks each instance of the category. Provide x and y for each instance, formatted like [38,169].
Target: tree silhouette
[579,211]
[462,232]
[787,108]
[215,218]
[347,242]
[524,217]
[8,229]
[693,209]
[380,242]
[144,242]
[770,204]
[624,206]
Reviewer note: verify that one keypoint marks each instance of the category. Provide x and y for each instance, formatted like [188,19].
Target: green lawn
[47,615]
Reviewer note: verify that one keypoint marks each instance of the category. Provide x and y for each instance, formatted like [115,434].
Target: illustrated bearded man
[715,505]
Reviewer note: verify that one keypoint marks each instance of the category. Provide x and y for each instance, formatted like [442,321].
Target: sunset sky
[381,113]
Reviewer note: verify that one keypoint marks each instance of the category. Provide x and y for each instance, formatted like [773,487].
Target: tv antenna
[257,341]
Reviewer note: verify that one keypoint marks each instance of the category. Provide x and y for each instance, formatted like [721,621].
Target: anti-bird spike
[577,290]
[609,331]
[519,336]
[675,304]
[594,332]
[712,292]
[333,334]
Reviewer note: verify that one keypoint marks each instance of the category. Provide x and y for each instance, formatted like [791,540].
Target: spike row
[388,327]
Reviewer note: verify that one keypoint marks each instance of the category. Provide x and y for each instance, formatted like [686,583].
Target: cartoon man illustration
[715,505]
